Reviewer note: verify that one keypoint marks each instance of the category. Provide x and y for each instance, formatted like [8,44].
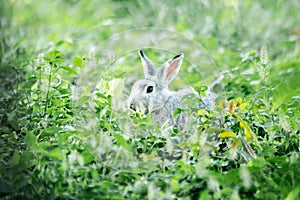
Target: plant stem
[48,88]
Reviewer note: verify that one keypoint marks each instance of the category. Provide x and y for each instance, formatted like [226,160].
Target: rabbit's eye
[150,89]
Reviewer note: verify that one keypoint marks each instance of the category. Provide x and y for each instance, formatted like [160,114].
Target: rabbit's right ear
[170,69]
[148,67]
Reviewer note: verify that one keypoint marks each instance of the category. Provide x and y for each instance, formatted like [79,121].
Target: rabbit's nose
[132,106]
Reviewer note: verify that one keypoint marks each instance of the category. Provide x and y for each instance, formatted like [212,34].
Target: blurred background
[226,31]
[223,27]
[252,44]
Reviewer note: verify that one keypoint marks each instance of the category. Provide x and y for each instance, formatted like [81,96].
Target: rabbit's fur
[151,94]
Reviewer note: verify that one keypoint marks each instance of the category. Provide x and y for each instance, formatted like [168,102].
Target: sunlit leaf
[243,105]
[77,62]
[222,104]
[202,112]
[246,128]
[248,132]
[239,102]
[227,134]
[175,185]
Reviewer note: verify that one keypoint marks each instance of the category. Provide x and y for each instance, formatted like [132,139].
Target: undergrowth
[65,133]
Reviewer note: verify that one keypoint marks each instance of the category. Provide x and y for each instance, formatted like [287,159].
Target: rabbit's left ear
[170,69]
[148,66]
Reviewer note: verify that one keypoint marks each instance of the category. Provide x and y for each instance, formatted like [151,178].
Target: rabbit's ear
[170,69]
[148,67]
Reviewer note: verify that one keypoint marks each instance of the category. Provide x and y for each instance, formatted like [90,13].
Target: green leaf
[101,102]
[177,112]
[279,161]
[185,167]
[175,185]
[15,159]
[268,150]
[204,195]
[121,140]
[12,119]
[56,54]
[259,162]
[30,140]
[69,69]
[294,194]
[103,96]
[82,100]
[232,177]
[53,130]
[87,157]
[56,153]
[58,60]
[48,58]
[77,61]
[26,157]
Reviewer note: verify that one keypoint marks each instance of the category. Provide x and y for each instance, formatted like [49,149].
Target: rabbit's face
[146,95]
[151,95]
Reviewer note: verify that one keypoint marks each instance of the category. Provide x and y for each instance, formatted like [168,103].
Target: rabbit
[151,94]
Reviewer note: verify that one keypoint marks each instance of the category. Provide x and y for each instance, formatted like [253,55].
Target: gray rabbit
[151,94]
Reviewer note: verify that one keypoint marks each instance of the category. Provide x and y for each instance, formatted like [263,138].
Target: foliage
[64,134]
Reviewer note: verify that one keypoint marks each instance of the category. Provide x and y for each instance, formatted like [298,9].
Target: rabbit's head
[151,94]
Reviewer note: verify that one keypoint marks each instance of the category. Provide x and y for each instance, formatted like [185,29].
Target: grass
[66,71]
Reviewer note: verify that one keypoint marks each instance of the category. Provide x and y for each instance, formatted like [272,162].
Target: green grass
[66,71]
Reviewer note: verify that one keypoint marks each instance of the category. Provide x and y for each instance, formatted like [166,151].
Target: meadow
[66,69]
